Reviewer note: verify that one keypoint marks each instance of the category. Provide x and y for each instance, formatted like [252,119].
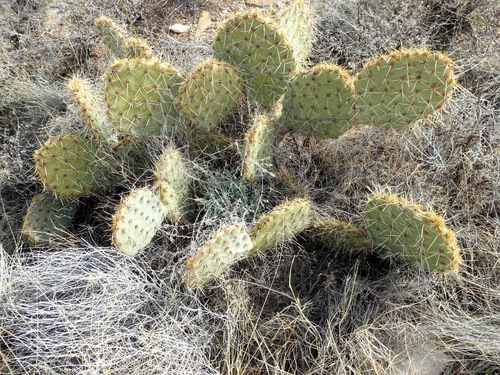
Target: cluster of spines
[420,236]
[136,220]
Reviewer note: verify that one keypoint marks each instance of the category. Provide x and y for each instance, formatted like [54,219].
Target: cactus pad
[258,152]
[48,217]
[336,234]
[173,180]
[404,228]
[71,165]
[398,89]
[136,221]
[225,248]
[94,112]
[258,48]
[319,102]
[210,93]
[281,224]
[140,97]
[121,46]
[296,22]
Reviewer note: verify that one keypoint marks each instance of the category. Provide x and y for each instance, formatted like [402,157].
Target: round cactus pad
[258,48]
[404,228]
[319,102]
[140,97]
[210,93]
[296,22]
[71,165]
[48,217]
[136,221]
[398,89]
[225,248]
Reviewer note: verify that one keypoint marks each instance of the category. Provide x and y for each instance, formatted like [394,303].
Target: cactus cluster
[260,57]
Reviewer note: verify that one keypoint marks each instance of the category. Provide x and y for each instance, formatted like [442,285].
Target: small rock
[179,28]
[203,23]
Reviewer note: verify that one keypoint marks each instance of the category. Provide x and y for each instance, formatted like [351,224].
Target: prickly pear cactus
[121,45]
[136,220]
[71,165]
[210,93]
[281,224]
[173,183]
[319,102]
[258,154]
[404,228]
[296,22]
[140,97]
[48,217]
[93,111]
[211,261]
[336,234]
[405,86]
[258,48]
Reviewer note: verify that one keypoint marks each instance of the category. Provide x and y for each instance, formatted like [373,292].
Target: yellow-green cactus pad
[259,49]
[296,22]
[281,224]
[405,86]
[419,236]
[71,165]
[259,148]
[136,220]
[336,234]
[48,217]
[94,112]
[140,97]
[121,46]
[211,261]
[319,102]
[173,182]
[210,94]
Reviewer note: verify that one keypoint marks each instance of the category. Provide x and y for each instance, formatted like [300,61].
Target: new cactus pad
[121,45]
[140,97]
[136,221]
[71,165]
[94,112]
[259,148]
[48,217]
[259,49]
[281,224]
[296,22]
[210,93]
[222,250]
[400,88]
[419,236]
[173,182]
[319,102]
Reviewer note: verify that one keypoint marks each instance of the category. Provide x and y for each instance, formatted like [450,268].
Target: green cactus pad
[140,97]
[121,46]
[404,228]
[258,153]
[319,102]
[48,217]
[336,234]
[136,220]
[211,261]
[257,47]
[210,94]
[398,89]
[94,112]
[71,165]
[296,22]
[281,224]
[173,182]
